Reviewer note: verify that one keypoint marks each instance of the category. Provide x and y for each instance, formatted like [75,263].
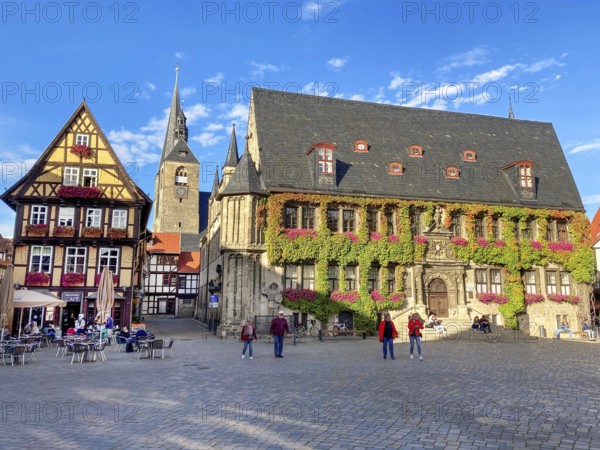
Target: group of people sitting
[564,328]
[482,324]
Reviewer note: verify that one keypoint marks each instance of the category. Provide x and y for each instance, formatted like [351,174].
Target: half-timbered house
[77,211]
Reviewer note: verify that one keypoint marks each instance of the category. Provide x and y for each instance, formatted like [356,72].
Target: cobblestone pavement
[340,394]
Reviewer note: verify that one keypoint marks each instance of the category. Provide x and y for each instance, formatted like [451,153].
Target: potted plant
[72,279]
[78,192]
[115,279]
[37,279]
[117,233]
[83,151]
[38,229]
[64,231]
[91,232]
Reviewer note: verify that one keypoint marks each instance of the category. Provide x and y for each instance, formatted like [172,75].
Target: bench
[343,332]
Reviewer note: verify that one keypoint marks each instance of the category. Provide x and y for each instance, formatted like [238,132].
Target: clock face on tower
[181,191]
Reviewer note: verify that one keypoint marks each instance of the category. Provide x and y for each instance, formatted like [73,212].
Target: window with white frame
[41,259]
[308,217]
[75,259]
[348,221]
[350,273]
[488,280]
[66,216]
[90,177]
[373,278]
[108,257]
[530,279]
[333,273]
[39,214]
[291,217]
[308,277]
[119,218]
[291,276]
[71,176]
[93,217]
[325,160]
[565,283]
[82,139]
[551,282]
[371,220]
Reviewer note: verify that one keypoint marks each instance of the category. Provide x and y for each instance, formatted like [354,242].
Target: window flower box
[458,241]
[91,232]
[72,279]
[37,279]
[293,233]
[39,229]
[83,151]
[536,245]
[117,233]
[393,238]
[420,240]
[352,237]
[563,298]
[375,236]
[533,298]
[79,192]
[491,298]
[482,242]
[345,296]
[63,231]
[115,279]
[560,246]
[378,297]
[294,295]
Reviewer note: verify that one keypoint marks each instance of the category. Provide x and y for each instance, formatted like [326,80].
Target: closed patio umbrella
[105,297]
[6,300]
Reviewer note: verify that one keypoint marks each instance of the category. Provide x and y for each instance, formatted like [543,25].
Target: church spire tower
[176,186]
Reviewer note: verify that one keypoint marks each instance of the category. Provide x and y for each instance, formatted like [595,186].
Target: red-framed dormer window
[452,172]
[469,156]
[416,151]
[361,146]
[395,168]
[525,174]
[325,161]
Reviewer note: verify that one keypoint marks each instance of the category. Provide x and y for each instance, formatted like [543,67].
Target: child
[248,335]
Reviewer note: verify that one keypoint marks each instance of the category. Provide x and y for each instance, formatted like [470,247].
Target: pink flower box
[345,296]
[461,242]
[420,240]
[560,246]
[375,236]
[489,298]
[294,295]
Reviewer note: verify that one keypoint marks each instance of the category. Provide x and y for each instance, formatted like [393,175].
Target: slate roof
[232,153]
[181,153]
[190,242]
[287,124]
[245,179]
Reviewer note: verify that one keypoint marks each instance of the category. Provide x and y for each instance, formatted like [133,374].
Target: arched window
[181,176]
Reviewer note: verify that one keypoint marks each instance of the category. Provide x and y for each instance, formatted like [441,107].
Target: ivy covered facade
[350,209]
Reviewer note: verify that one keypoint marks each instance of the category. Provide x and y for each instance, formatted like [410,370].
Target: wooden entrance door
[438,298]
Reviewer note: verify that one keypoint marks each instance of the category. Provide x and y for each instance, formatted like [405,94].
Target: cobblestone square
[339,394]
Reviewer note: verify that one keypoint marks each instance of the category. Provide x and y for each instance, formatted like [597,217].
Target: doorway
[438,298]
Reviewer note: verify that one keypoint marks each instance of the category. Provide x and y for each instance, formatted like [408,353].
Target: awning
[94,296]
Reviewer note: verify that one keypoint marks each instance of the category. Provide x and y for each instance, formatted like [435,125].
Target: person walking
[387,334]
[415,325]
[279,328]
[248,335]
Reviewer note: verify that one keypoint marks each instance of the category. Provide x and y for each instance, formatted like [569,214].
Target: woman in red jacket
[247,336]
[415,325]
[387,334]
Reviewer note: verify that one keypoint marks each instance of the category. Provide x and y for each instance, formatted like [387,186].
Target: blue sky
[460,56]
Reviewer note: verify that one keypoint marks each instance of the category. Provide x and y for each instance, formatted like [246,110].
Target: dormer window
[526,174]
[416,151]
[469,156]
[361,146]
[325,160]
[395,168]
[82,139]
[452,172]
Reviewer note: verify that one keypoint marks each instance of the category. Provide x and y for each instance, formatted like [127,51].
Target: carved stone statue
[437,218]
[273,293]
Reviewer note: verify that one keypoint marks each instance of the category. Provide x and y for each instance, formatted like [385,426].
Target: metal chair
[121,343]
[79,350]
[169,347]
[16,353]
[158,346]
[100,349]
[143,346]
[30,349]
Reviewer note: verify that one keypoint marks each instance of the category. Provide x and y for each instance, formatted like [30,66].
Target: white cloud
[238,112]
[496,74]
[187,91]
[195,112]
[337,63]
[359,97]
[320,89]
[207,139]
[150,86]
[541,65]
[213,127]
[593,199]
[474,57]
[585,147]
[320,11]
[216,78]
[180,55]
[259,69]
[397,81]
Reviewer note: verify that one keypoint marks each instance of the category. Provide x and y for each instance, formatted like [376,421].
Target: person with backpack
[248,335]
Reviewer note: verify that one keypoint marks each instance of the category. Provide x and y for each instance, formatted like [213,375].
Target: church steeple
[510,110]
[176,126]
[232,153]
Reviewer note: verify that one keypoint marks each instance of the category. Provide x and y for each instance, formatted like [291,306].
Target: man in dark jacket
[279,327]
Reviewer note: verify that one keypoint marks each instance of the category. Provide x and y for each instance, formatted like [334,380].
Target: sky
[121,57]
